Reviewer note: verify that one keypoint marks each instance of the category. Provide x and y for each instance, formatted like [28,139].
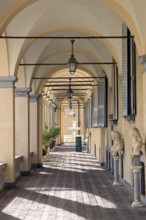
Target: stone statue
[136,141]
[118,143]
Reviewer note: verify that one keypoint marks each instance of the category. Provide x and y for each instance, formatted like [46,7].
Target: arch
[19,6]
[88,32]
[123,13]
[4,71]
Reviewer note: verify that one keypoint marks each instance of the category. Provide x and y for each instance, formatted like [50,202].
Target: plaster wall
[22,130]
[101,137]
[7,131]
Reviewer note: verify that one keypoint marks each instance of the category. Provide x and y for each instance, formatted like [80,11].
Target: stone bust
[136,141]
[118,143]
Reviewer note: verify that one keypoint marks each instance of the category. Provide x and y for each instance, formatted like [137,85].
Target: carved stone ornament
[136,142]
[118,143]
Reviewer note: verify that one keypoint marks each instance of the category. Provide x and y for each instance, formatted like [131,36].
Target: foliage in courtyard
[49,136]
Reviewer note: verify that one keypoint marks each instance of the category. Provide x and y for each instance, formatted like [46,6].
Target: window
[94,104]
[88,114]
[115,113]
[102,103]
[128,75]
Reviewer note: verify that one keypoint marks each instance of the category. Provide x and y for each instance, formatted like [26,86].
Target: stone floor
[70,186]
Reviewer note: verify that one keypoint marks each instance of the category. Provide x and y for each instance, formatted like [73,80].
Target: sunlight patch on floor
[75,196]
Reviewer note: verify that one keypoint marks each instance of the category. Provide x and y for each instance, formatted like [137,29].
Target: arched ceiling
[59,18]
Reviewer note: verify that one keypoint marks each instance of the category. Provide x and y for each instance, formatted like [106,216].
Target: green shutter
[102,103]
[94,105]
[128,75]
[124,71]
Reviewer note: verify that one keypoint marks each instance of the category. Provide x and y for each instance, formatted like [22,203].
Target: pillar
[33,99]
[136,169]
[7,129]
[39,133]
[22,141]
[116,170]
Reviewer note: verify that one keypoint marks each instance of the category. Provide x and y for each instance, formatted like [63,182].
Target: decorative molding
[142,60]
[7,81]
[33,97]
[22,92]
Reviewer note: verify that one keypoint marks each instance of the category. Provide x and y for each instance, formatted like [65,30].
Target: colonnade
[20,130]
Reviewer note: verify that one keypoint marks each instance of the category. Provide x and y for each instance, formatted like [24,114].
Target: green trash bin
[78,143]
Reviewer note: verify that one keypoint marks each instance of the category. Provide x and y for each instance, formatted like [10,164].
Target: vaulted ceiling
[70,19]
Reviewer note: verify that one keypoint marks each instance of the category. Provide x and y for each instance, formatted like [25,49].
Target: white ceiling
[65,18]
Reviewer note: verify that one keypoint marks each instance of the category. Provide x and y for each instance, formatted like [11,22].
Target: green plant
[48,137]
[54,132]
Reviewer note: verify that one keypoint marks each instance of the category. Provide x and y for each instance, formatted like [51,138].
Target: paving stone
[69,186]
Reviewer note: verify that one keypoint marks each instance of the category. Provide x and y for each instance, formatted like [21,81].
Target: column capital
[22,92]
[142,60]
[7,81]
[33,97]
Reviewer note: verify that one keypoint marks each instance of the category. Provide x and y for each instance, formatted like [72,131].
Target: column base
[117,184]
[102,164]
[137,204]
[25,173]
[36,165]
[9,185]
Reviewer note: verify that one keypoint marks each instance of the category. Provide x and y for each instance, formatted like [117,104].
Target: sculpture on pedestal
[136,164]
[118,143]
[136,141]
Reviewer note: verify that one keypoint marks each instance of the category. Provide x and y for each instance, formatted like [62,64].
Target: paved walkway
[70,186]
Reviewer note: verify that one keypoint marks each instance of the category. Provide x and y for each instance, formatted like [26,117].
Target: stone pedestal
[2,174]
[136,169]
[18,160]
[116,170]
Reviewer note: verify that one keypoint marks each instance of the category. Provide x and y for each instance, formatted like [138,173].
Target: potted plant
[54,132]
[49,138]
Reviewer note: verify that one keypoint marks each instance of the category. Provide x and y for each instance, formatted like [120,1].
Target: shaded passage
[69,186]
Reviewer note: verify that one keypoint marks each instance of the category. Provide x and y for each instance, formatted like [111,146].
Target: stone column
[7,128]
[116,170]
[33,99]
[136,169]
[40,103]
[43,110]
[22,146]
[89,145]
